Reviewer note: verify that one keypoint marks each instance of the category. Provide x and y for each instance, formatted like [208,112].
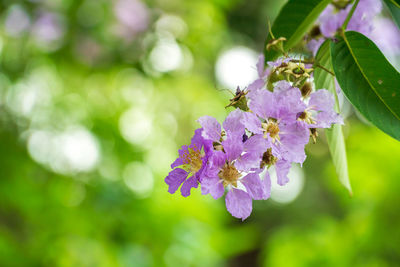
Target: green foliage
[293,21]
[93,79]
[394,2]
[394,9]
[334,136]
[368,80]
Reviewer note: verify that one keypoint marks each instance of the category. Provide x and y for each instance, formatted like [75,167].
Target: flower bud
[306,89]
[315,32]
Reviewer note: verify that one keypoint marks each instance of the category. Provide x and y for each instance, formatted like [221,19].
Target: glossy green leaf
[394,10]
[293,21]
[334,136]
[368,80]
[395,2]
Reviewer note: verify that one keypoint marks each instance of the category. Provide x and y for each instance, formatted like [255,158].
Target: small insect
[239,99]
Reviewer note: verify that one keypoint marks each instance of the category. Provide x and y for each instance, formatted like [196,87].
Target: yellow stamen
[192,159]
[271,128]
[307,117]
[229,175]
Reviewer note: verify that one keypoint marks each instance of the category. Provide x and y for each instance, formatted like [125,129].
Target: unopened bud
[268,159]
[306,89]
[315,32]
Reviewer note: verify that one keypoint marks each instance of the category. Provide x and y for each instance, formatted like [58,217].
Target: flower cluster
[333,17]
[270,127]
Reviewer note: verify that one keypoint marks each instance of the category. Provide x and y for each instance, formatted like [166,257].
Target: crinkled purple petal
[212,186]
[282,168]
[267,185]
[190,183]
[289,104]
[208,147]
[384,27]
[248,162]
[211,128]
[293,138]
[363,16]
[325,119]
[256,85]
[368,8]
[322,100]
[257,144]
[260,65]
[282,86]
[233,123]
[217,159]
[263,103]
[238,203]
[203,170]
[233,147]
[177,162]
[278,150]
[252,122]
[254,186]
[197,139]
[314,45]
[331,21]
[174,179]
[183,150]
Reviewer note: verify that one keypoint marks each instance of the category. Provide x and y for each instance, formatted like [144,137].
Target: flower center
[306,116]
[192,159]
[271,128]
[229,175]
[268,159]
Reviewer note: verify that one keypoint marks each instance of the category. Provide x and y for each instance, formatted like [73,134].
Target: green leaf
[334,136]
[368,80]
[394,9]
[395,2]
[293,22]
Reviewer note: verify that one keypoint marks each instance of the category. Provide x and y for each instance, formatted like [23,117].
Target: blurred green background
[96,97]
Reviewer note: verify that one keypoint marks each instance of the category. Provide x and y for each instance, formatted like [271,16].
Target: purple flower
[331,20]
[363,16]
[386,35]
[226,168]
[280,138]
[314,45]
[232,125]
[320,111]
[366,9]
[192,161]
[361,21]
[224,171]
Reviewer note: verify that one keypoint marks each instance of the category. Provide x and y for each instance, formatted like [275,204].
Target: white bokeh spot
[236,67]
[290,191]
